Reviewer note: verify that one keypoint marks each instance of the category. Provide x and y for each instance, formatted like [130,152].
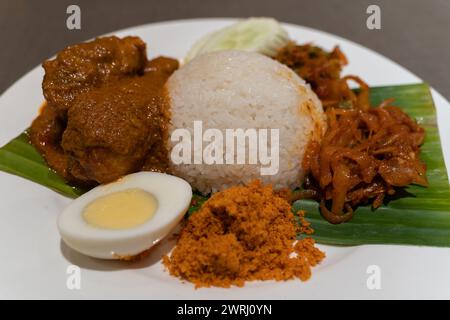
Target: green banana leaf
[421,217]
[20,158]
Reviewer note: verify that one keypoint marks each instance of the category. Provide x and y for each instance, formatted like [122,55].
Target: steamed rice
[237,89]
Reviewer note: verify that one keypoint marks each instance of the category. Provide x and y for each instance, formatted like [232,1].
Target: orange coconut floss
[242,234]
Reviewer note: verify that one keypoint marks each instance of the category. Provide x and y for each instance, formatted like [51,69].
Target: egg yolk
[121,210]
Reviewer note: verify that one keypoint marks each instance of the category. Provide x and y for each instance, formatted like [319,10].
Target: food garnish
[364,156]
[367,153]
[262,35]
[244,233]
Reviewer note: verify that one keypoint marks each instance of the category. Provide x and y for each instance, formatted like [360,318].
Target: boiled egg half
[124,218]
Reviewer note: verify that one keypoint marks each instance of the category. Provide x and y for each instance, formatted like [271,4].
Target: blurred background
[414,33]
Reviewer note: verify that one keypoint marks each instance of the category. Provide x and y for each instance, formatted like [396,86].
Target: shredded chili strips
[366,153]
[242,234]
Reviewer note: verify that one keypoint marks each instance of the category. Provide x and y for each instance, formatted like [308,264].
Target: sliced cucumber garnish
[263,35]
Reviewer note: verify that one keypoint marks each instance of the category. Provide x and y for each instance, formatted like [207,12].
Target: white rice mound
[236,89]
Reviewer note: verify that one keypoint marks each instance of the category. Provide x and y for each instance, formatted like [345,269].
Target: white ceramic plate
[34,261]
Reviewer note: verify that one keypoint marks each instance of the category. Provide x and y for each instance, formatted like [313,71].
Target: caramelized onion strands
[366,153]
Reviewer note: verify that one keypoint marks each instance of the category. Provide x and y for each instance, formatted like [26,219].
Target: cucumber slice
[263,35]
[196,48]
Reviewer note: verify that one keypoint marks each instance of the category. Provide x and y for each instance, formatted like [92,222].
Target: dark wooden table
[414,33]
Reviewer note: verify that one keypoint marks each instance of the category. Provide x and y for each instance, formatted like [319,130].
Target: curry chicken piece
[106,114]
[81,67]
[111,129]
[45,134]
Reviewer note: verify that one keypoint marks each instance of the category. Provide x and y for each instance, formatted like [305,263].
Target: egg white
[173,196]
